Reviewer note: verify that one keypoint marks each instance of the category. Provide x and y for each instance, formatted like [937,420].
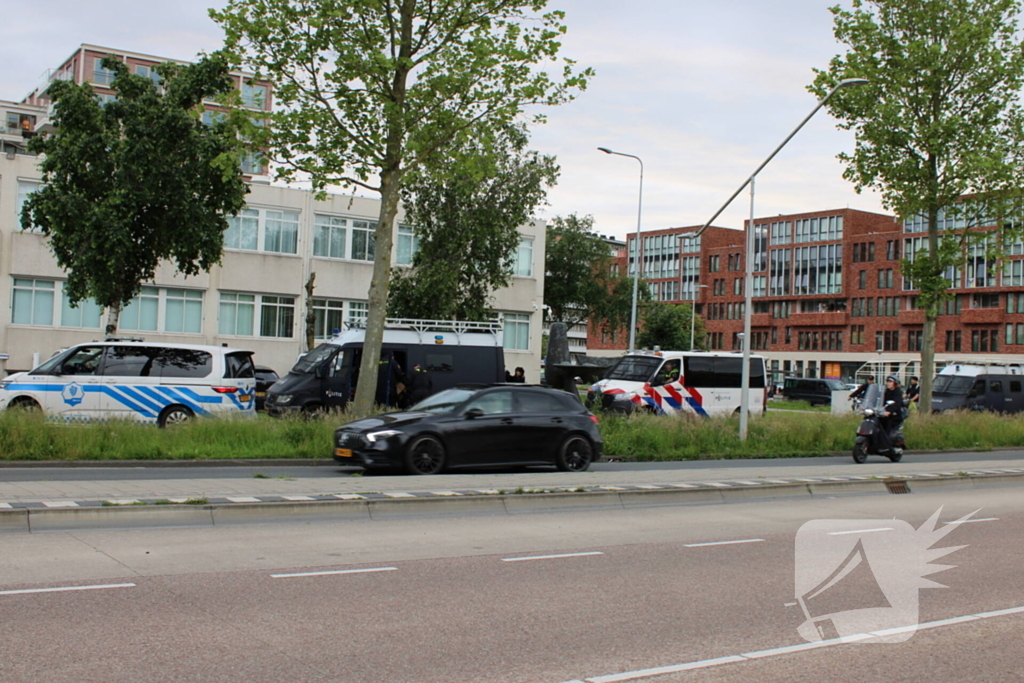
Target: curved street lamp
[636,257]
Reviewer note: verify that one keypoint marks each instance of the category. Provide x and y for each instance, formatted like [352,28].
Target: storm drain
[897,486]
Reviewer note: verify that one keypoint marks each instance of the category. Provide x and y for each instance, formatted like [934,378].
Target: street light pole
[749,256]
[636,251]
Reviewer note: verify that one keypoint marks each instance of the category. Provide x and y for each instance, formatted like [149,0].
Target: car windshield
[634,368]
[951,384]
[312,360]
[443,401]
[835,385]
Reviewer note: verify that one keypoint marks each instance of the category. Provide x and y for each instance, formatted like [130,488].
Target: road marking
[702,545]
[67,588]
[336,571]
[778,481]
[749,483]
[718,484]
[859,531]
[60,504]
[548,557]
[611,488]
[789,604]
[243,499]
[790,649]
[298,498]
[6,506]
[446,493]
[349,496]
[488,492]
[685,486]
[971,521]
[649,487]
[399,494]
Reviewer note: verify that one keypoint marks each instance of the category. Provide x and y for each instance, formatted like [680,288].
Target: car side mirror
[473,413]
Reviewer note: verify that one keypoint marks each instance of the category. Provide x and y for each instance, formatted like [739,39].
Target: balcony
[982,316]
[820,318]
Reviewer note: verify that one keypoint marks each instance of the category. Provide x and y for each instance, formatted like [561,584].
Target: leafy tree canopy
[370,89]
[466,213]
[136,181]
[939,119]
[668,327]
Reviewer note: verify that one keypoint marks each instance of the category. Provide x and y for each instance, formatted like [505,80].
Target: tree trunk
[113,318]
[367,388]
[310,313]
[931,316]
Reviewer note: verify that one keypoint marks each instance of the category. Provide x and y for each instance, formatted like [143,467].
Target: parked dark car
[265,377]
[474,426]
[817,392]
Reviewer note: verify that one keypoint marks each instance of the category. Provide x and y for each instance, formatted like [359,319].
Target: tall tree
[466,214]
[138,180]
[580,285]
[668,326]
[370,89]
[940,119]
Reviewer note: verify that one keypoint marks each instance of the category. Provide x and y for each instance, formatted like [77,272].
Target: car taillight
[225,390]
[593,418]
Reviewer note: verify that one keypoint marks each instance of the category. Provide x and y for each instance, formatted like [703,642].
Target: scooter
[872,439]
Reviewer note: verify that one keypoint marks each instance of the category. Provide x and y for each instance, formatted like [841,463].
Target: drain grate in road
[897,486]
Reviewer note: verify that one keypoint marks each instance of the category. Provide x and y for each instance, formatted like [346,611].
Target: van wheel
[576,454]
[24,403]
[174,415]
[314,411]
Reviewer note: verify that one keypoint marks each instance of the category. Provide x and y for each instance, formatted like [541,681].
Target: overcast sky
[701,91]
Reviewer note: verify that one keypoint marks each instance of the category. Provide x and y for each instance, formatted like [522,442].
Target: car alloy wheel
[175,415]
[576,454]
[425,456]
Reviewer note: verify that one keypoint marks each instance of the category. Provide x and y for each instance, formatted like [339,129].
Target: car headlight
[374,437]
[283,399]
[4,385]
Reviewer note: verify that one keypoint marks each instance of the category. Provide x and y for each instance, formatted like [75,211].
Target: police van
[451,351]
[148,382]
[972,385]
[675,382]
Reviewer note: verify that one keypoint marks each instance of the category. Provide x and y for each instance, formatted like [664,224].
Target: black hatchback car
[265,378]
[494,426]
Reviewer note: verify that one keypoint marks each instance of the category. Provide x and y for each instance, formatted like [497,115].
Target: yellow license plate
[245,397]
[343,452]
[261,394]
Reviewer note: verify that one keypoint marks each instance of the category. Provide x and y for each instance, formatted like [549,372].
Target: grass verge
[28,437]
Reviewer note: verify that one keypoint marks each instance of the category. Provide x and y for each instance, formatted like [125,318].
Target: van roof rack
[458,326]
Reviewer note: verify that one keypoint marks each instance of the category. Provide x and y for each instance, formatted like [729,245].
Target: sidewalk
[46,492]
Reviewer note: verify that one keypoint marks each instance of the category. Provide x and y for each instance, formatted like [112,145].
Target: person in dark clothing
[389,377]
[420,385]
[913,391]
[862,389]
[892,417]
[519,377]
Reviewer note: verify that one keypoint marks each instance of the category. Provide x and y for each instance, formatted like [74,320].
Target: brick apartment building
[828,295]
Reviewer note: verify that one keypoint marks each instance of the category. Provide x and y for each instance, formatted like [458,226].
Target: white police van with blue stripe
[149,382]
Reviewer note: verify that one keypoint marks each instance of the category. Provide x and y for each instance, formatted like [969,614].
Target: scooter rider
[892,405]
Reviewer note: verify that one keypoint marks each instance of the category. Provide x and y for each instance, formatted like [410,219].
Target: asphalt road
[27,472]
[628,591]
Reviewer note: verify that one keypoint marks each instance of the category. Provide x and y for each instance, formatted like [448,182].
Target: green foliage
[466,212]
[137,181]
[369,90]
[939,119]
[579,284]
[668,326]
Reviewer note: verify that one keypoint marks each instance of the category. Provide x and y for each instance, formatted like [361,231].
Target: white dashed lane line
[703,545]
[859,531]
[549,557]
[63,589]
[971,521]
[335,571]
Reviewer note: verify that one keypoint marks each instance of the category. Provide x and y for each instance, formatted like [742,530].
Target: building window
[985,301]
[263,230]
[237,314]
[85,314]
[164,310]
[328,315]
[517,331]
[887,341]
[150,73]
[983,341]
[357,312]
[101,76]
[714,264]
[884,278]
[407,244]
[892,250]
[254,96]
[277,316]
[17,123]
[856,334]
[25,188]
[522,262]
[329,236]
[914,340]
[953,340]
[32,302]
[143,312]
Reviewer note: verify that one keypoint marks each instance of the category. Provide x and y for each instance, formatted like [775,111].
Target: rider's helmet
[893,378]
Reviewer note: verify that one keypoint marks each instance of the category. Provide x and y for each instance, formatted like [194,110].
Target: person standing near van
[913,394]
[389,377]
[420,385]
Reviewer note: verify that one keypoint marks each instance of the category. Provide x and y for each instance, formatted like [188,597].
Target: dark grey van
[817,392]
[996,388]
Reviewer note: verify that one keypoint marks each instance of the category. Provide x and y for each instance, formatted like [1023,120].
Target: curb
[33,519]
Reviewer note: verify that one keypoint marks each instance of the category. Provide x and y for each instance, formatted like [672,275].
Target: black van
[992,387]
[452,352]
[817,392]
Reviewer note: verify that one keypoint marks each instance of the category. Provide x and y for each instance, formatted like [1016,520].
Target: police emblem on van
[73,394]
